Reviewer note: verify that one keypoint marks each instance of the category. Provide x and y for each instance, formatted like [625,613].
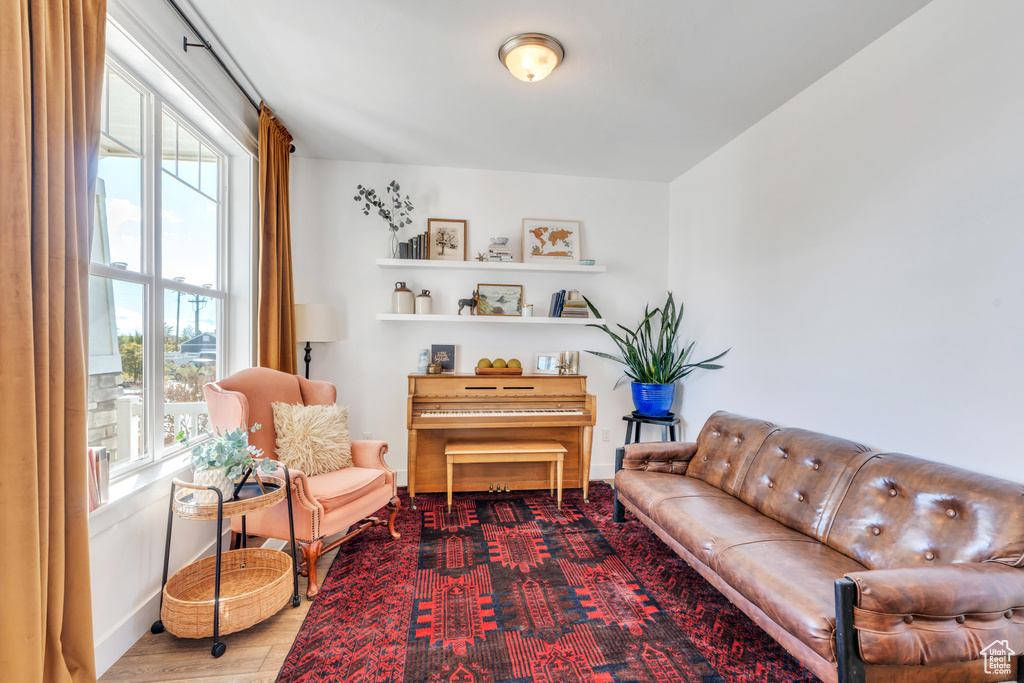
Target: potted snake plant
[653,356]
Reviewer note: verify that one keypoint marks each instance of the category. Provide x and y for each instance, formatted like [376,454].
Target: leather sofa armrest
[939,614]
[672,457]
[370,454]
[941,590]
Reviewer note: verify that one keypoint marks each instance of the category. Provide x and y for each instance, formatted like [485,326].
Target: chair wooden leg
[236,540]
[310,554]
[393,507]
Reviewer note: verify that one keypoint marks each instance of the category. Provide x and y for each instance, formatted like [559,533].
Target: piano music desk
[507,451]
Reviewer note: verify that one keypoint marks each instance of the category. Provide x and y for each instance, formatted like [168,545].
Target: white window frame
[150,276]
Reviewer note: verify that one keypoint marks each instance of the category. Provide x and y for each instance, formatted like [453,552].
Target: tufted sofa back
[884,510]
[798,478]
[725,447]
[901,511]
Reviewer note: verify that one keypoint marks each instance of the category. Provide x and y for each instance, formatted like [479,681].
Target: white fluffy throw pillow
[313,439]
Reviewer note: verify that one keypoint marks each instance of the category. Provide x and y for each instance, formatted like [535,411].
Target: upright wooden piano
[451,408]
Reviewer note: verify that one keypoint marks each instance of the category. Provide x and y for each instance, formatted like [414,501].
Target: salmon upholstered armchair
[322,505]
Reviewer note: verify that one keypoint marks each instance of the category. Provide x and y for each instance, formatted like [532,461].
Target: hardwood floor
[254,655]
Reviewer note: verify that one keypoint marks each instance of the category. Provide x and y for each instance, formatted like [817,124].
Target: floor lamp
[315,323]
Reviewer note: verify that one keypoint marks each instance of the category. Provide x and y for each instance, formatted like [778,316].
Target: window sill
[137,490]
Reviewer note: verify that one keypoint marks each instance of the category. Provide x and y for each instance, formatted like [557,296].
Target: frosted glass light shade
[531,56]
[315,323]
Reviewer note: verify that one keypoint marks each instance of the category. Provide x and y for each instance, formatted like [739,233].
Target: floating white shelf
[485,265]
[533,320]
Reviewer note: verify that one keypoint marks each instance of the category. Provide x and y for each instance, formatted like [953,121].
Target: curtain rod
[205,44]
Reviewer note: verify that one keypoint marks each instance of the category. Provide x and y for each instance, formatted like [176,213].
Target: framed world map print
[546,241]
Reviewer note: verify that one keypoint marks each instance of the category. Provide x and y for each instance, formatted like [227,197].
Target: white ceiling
[648,88]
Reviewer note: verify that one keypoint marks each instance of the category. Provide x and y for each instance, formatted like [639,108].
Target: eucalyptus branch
[393,208]
[229,449]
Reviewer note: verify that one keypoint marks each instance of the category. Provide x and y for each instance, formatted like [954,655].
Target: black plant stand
[243,494]
[633,423]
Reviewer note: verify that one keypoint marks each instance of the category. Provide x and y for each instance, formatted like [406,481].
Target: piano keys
[452,408]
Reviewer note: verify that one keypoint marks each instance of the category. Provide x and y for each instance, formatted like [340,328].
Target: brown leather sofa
[866,566]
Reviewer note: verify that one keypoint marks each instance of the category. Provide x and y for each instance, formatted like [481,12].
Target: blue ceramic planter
[654,400]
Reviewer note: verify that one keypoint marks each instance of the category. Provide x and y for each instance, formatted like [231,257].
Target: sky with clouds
[189,243]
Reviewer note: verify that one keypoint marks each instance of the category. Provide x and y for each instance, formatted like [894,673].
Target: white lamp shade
[316,323]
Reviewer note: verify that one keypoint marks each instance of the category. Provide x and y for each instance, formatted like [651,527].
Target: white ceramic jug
[402,299]
[423,303]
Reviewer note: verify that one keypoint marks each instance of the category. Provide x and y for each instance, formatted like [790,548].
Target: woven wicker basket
[255,583]
[186,509]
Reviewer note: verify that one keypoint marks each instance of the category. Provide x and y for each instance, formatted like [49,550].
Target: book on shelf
[499,254]
[559,302]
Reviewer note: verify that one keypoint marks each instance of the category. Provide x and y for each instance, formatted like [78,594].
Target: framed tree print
[446,239]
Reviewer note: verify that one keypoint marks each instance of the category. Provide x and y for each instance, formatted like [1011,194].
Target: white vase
[212,476]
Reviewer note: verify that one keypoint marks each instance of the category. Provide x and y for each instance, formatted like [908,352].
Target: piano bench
[506,451]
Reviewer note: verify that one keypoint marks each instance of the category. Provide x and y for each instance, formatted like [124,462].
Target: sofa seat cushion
[708,525]
[646,490]
[793,582]
[335,489]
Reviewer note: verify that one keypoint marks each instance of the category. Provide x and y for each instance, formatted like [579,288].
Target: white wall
[624,226]
[861,247]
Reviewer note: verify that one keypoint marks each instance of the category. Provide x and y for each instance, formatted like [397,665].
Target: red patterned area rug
[508,589]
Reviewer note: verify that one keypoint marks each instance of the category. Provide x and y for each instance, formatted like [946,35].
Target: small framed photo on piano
[548,363]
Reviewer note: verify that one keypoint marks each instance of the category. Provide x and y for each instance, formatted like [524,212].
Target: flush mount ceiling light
[531,56]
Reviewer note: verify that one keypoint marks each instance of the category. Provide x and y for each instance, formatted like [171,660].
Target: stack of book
[499,252]
[416,248]
[574,309]
[561,307]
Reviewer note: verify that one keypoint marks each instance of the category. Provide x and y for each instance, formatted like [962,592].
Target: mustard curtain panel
[51,66]
[277,346]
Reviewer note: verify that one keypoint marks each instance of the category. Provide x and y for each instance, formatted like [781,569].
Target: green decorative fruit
[514,363]
[498,363]
[483,363]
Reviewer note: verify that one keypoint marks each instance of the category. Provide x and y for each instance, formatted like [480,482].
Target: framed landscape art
[546,241]
[499,300]
[446,239]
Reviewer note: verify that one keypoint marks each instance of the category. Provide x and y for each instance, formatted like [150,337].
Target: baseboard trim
[117,641]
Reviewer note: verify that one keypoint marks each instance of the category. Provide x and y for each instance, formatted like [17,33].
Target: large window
[158,287]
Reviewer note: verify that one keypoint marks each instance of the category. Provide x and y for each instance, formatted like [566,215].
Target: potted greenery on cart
[653,356]
[223,458]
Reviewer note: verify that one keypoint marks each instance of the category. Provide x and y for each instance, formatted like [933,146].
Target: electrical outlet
[367,436]
[606,434]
